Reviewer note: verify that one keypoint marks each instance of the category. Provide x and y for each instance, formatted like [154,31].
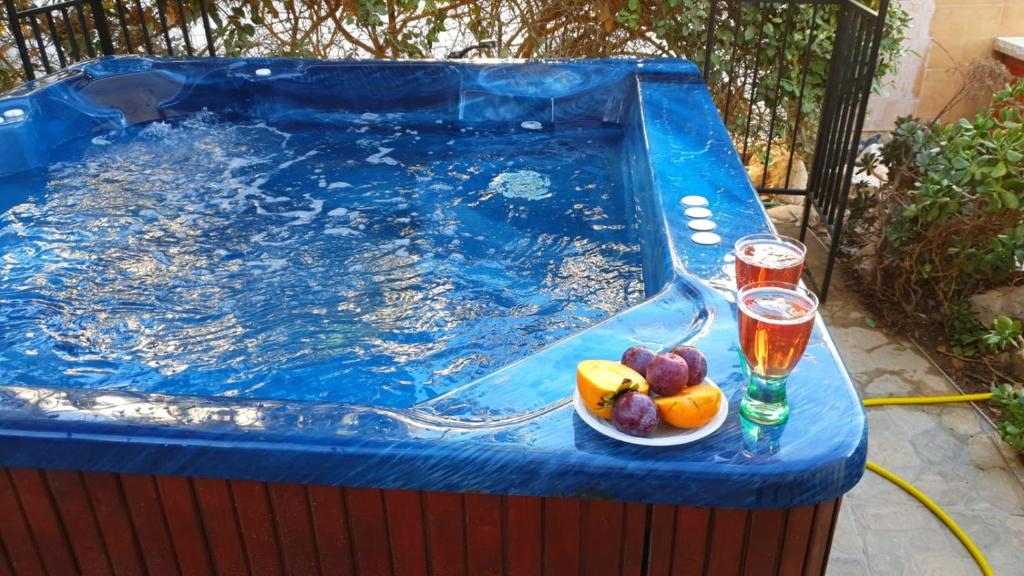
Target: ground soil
[972,375]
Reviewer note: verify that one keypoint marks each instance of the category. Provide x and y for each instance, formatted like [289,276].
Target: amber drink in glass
[775,323]
[768,258]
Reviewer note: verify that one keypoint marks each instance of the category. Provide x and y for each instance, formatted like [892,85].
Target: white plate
[664,435]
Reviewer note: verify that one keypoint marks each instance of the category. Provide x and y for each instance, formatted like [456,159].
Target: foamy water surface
[354,259]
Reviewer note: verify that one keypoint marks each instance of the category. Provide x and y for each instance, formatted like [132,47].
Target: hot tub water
[352,258]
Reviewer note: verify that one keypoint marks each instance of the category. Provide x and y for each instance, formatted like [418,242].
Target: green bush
[1010,403]
[969,337]
[955,223]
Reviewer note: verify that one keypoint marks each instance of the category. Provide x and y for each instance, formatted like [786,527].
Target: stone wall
[944,34]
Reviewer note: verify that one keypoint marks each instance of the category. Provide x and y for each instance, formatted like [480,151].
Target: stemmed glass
[775,323]
[768,257]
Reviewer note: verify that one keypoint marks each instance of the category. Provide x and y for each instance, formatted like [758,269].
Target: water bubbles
[157,131]
[162,258]
[381,157]
[241,277]
[526,184]
[340,231]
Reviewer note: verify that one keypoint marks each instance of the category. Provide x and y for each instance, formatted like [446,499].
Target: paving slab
[951,452]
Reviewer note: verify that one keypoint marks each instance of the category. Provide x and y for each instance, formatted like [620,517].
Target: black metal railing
[785,113]
[51,37]
[776,115]
[851,76]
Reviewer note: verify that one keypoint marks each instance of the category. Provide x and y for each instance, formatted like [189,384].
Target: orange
[692,408]
[599,380]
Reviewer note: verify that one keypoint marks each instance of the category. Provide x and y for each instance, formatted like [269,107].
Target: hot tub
[267,315]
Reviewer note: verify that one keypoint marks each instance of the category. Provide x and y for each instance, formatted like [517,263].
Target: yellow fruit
[692,408]
[600,380]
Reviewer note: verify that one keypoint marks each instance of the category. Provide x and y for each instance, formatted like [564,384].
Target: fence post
[19,39]
[849,157]
[99,18]
[709,44]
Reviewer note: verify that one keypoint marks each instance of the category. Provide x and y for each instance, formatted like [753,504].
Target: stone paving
[948,451]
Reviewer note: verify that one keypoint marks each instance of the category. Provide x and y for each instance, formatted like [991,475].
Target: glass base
[765,401]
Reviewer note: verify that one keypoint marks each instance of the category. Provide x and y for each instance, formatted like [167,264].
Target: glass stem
[765,400]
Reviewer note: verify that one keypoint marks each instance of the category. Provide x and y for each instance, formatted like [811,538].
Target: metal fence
[781,118]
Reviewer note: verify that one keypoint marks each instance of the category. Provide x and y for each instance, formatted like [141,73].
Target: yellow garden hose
[928,399]
[921,497]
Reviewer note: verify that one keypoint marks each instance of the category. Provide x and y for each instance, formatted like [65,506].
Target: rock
[778,163]
[791,214]
[798,175]
[866,262]
[789,199]
[1016,364]
[1005,301]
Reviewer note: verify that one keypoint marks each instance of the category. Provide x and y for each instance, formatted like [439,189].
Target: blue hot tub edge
[513,431]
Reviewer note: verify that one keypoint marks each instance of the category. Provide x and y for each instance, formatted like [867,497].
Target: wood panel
[74,507]
[295,530]
[727,534]
[220,524]
[115,524]
[601,552]
[256,521]
[184,525]
[524,535]
[405,532]
[484,548]
[43,522]
[446,533]
[690,547]
[821,534]
[764,546]
[661,540]
[151,530]
[634,539]
[797,534]
[5,564]
[60,522]
[371,545]
[562,519]
[330,523]
[20,548]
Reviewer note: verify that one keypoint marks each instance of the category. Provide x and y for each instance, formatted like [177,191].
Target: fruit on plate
[635,414]
[692,408]
[638,358]
[600,381]
[695,361]
[667,374]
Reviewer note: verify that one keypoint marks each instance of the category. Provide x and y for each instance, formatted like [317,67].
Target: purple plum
[637,358]
[667,374]
[695,361]
[635,414]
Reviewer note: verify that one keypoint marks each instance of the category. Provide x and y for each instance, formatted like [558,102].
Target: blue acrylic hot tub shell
[513,431]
